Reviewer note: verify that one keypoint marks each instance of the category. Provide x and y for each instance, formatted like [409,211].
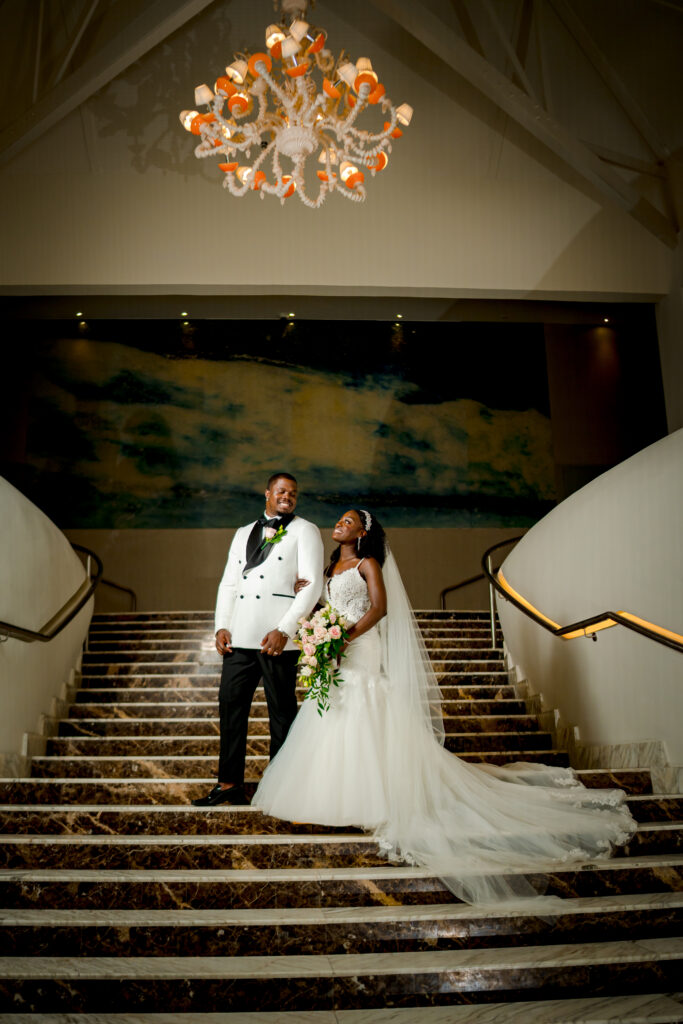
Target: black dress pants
[242,670]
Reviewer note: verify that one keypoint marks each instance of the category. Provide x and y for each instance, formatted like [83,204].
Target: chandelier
[270,105]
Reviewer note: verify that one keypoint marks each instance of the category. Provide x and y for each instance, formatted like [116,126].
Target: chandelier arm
[284,99]
[356,195]
[235,190]
[353,113]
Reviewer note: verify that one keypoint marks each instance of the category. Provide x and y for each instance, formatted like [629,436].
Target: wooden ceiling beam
[155,22]
[441,40]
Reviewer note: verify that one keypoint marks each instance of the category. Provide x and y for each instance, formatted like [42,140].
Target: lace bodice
[347,592]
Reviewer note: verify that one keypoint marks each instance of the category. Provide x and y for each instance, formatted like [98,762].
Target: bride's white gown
[373,761]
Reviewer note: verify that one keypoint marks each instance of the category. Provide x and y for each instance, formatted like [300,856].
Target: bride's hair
[372,545]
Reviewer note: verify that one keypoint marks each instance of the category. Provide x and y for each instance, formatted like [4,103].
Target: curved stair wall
[617,544]
[39,571]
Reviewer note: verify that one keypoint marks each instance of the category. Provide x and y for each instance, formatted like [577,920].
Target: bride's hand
[300,583]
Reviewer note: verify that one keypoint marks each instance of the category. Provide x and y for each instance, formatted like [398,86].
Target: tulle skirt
[482,828]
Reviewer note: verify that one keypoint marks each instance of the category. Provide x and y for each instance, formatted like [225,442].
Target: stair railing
[69,609]
[588,627]
[492,602]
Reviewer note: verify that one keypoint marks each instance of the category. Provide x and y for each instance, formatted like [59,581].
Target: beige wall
[180,569]
[615,545]
[39,573]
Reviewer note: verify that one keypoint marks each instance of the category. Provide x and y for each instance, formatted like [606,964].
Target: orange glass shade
[351,99]
[196,124]
[377,93]
[396,134]
[298,70]
[292,188]
[354,179]
[208,118]
[382,161]
[259,178]
[323,176]
[223,84]
[331,90]
[238,103]
[276,50]
[365,78]
[228,167]
[317,44]
[255,58]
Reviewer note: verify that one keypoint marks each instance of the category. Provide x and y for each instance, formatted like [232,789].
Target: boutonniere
[273,536]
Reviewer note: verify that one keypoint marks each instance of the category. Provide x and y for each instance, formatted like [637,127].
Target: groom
[256,618]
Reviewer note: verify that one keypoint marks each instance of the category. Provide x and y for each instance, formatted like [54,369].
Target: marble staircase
[120,897]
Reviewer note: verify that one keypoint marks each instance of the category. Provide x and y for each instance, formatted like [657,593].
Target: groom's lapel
[256,551]
[253,545]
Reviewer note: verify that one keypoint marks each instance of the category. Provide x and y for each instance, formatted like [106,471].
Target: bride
[376,758]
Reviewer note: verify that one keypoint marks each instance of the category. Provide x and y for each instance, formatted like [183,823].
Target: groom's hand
[300,583]
[223,641]
[273,642]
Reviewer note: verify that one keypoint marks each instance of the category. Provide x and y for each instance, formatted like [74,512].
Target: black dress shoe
[218,795]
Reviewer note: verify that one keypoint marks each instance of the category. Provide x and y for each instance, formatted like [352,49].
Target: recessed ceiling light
[291,314]
[184,314]
[605,319]
[79,314]
[399,316]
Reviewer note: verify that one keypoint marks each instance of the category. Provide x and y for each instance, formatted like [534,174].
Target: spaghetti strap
[360,563]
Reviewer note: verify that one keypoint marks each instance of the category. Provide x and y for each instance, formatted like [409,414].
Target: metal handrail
[457,586]
[66,613]
[127,590]
[583,624]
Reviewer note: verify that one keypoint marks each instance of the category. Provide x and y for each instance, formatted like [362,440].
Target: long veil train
[482,828]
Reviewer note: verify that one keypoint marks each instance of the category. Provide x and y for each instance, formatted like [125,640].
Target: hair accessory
[367,518]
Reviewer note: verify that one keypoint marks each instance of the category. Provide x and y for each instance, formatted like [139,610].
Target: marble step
[646,1008]
[186,691]
[137,645]
[163,667]
[141,653]
[172,791]
[310,849]
[337,981]
[168,790]
[183,767]
[188,632]
[303,887]
[316,930]
[205,680]
[186,726]
[207,615]
[120,711]
[198,745]
[181,819]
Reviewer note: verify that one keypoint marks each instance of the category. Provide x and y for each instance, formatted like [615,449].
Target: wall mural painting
[151,425]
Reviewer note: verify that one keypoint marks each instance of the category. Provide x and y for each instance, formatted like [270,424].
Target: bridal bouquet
[321,638]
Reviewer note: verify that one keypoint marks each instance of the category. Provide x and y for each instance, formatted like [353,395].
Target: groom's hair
[278,476]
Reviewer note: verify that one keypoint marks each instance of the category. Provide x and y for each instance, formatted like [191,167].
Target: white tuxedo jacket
[252,603]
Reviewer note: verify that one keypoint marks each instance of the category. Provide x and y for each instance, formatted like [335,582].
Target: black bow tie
[264,521]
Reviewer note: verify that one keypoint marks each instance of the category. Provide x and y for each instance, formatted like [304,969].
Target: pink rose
[269,532]
[309,649]
[333,618]
[319,633]
[335,632]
